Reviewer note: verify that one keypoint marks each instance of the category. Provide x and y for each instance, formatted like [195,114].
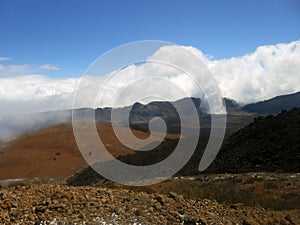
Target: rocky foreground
[61,204]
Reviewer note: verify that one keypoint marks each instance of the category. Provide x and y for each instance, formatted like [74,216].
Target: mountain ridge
[141,114]
[274,105]
[269,144]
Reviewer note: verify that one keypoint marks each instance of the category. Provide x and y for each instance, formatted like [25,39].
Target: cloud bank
[269,71]
[35,93]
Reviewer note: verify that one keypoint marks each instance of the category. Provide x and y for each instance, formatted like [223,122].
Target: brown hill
[53,152]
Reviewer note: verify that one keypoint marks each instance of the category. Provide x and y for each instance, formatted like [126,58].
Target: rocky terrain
[269,144]
[61,204]
[254,180]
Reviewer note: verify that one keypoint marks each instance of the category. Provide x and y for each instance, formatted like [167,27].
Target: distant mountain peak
[274,105]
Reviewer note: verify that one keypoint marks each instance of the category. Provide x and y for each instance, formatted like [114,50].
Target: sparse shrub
[271,185]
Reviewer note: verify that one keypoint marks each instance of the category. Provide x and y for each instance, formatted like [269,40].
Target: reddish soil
[53,152]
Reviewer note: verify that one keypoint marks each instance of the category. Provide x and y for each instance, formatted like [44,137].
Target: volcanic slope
[269,144]
[53,152]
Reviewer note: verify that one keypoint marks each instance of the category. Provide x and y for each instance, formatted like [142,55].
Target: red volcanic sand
[53,152]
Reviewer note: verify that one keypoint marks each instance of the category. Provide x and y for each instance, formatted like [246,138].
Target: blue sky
[72,34]
[251,47]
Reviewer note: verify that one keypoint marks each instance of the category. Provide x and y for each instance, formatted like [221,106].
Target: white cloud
[14,70]
[4,59]
[267,72]
[38,92]
[49,67]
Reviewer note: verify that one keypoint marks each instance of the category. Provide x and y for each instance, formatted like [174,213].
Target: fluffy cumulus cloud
[267,72]
[33,93]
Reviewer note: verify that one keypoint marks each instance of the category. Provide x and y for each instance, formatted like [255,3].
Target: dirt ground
[53,152]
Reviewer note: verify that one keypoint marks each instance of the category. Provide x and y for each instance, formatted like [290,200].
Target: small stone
[245,222]
[40,209]
[189,221]
[91,204]
[81,216]
[160,200]
[284,222]
[181,211]
[157,206]
[289,218]
[175,196]
[138,212]
[37,222]
[202,221]
[235,206]
[151,210]
[58,206]
[6,204]
[15,213]
[161,218]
